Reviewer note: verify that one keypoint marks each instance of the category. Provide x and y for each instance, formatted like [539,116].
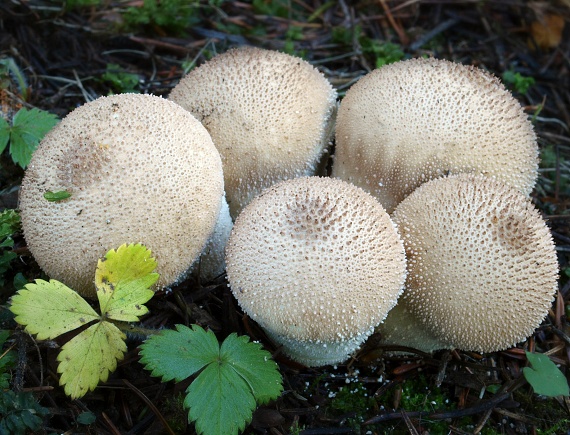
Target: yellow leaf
[89,357]
[49,309]
[123,280]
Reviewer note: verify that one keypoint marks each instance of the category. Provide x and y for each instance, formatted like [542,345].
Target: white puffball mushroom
[411,121]
[482,266]
[318,263]
[212,262]
[140,169]
[270,115]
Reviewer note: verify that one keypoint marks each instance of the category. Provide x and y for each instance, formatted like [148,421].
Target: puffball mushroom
[482,267]
[269,114]
[415,120]
[318,263]
[139,169]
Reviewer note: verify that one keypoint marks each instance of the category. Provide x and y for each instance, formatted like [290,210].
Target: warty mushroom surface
[140,169]
[318,263]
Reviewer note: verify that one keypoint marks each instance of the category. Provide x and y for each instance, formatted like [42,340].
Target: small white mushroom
[318,263]
[482,268]
[140,169]
[269,114]
[415,120]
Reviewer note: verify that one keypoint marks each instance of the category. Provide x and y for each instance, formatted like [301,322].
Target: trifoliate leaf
[123,279]
[220,401]
[57,196]
[544,376]
[49,309]
[89,358]
[254,365]
[28,128]
[179,354]
[223,396]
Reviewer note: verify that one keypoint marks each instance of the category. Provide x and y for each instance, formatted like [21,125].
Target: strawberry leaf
[230,380]
[89,357]
[123,280]
[546,379]
[49,309]
[28,128]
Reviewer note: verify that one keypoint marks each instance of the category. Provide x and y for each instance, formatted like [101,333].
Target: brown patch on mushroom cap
[318,263]
[139,169]
[482,268]
[270,116]
[415,120]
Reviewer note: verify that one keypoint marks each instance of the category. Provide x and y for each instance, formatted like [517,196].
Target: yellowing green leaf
[49,309]
[89,358]
[123,279]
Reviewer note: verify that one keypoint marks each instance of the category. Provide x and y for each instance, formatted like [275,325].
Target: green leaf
[219,401]
[234,377]
[49,309]
[4,134]
[179,354]
[89,358]
[28,128]
[123,280]
[57,196]
[546,379]
[86,418]
[20,413]
[9,223]
[254,365]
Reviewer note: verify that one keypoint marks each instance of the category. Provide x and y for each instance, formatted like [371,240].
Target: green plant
[50,309]
[519,83]
[20,412]
[231,378]
[173,15]
[9,72]
[119,80]
[7,360]
[27,129]
[9,225]
[544,377]
[294,33]
[382,51]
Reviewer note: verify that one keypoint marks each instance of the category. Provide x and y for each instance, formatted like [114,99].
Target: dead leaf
[546,33]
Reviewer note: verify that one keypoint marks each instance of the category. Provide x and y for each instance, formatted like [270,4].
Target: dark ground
[64,55]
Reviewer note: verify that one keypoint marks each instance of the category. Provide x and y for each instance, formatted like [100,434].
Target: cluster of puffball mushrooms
[424,232]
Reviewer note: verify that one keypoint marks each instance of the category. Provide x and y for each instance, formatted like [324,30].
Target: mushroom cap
[482,268]
[415,120]
[140,169]
[317,262]
[269,114]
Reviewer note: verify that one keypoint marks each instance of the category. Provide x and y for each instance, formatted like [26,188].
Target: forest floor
[69,53]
